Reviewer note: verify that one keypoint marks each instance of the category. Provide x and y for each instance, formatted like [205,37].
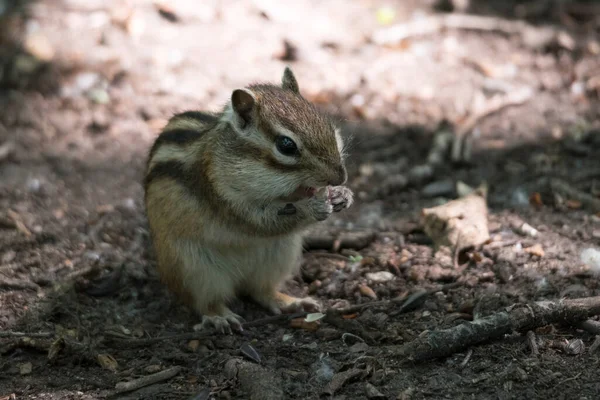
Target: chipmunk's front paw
[307,304]
[221,323]
[340,197]
[279,302]
[320,206]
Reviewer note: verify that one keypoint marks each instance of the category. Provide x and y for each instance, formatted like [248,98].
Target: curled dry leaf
[459,223]
[108,362]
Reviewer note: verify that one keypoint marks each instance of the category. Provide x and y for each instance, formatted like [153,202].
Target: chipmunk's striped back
[215,187]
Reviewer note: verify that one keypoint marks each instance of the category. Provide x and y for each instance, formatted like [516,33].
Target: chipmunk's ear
[243,103]
[289,81]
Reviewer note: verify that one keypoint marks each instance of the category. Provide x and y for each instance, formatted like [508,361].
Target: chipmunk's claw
[340,197]
[225,324]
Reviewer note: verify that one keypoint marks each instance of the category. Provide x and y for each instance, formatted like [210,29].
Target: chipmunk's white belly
[228,268]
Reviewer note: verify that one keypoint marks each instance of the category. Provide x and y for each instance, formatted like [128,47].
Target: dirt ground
[85,86]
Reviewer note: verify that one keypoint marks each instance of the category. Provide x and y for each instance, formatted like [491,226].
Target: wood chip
[367,292]
[535,250]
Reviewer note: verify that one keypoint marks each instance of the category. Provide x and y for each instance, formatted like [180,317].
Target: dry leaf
[535,250]
[108,362]
[350,316]
[536,200]
[367,291]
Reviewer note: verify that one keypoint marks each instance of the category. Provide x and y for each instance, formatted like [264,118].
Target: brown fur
[212,194]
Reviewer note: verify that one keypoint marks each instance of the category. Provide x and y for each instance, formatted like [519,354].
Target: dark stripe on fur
[168,169]
[198,115]
[180,137]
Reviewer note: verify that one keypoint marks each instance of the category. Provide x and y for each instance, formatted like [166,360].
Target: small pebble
[34,185]
[381,276]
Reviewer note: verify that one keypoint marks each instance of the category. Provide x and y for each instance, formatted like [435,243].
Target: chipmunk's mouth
[302,192]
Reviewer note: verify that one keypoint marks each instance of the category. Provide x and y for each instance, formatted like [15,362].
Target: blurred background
[435,96]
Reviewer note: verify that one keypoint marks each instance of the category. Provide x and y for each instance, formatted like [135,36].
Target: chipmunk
[228,195]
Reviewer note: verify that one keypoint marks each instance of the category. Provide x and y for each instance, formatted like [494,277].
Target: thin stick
[587,200]
[11,334]
[467,358]
[147,380]
[520,317]
[532,342]
[435,24]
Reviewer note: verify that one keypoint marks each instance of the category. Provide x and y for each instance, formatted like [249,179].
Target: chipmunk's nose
[339,176]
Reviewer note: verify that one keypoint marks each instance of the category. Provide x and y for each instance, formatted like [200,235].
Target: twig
[587,200]
[520,317]
[354,240]
[494,105]
[12,334]
[438,23]
[329,255]
[18,284]
[19,224]
[467,358]
[532,343]
[147,380]
[568,379]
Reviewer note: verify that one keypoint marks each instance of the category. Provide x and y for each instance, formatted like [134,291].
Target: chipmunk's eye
[286,146]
